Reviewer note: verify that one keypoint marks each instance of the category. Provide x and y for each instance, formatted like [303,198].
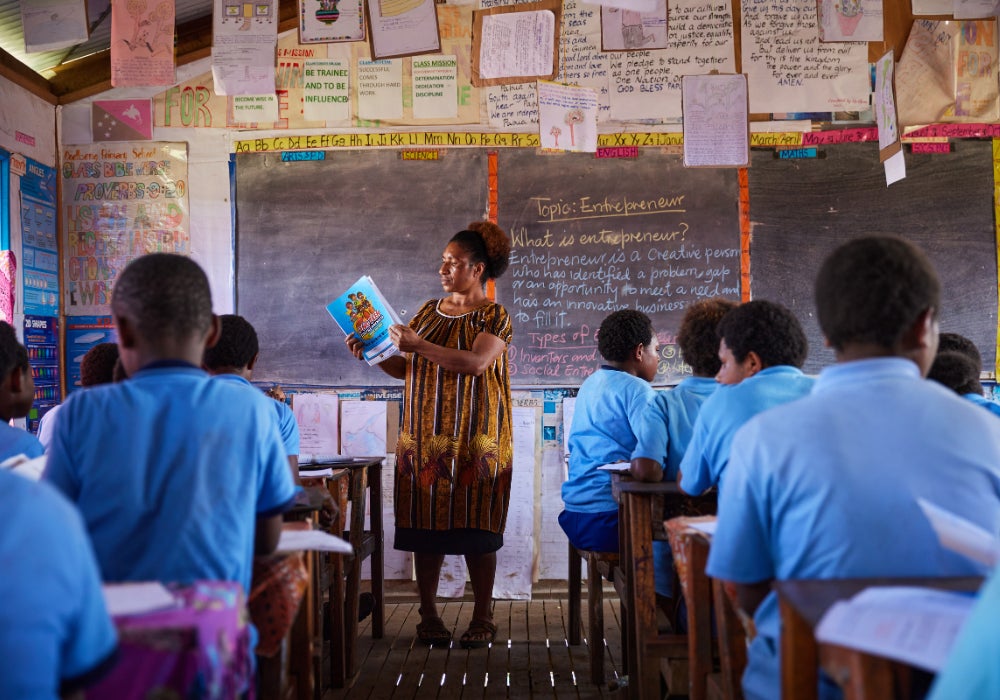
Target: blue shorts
[597,532]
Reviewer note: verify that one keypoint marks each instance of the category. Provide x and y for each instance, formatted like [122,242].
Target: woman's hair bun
[497,245]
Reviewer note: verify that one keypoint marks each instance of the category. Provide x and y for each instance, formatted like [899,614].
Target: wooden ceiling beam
[19,74]
[91,75]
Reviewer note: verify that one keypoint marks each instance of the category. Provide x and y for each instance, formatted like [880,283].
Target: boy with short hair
[178,477]
[827,487]
[764,343]
[957,366]
[17,393]
[96,367]
[610,405]
[672,414]
[55,633]
[232,359]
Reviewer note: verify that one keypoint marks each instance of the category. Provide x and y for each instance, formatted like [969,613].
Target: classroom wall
[28,129]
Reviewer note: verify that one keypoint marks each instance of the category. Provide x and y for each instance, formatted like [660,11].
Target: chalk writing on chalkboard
[606,235]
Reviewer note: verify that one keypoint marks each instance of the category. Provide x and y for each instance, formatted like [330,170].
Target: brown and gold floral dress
[454,455]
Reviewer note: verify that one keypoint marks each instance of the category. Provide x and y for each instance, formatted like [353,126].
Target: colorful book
[363,311]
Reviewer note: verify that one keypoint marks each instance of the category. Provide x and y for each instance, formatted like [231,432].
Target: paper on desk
[313,473]
[707,527]
[136,598]
[29,468]
[297,540]
[614,467]
[959,535]
[915,625]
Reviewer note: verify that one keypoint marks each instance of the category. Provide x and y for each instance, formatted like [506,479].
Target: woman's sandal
[432,632]
[481,633]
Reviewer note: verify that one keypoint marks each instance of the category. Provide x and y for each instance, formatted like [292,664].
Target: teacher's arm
[394,366]
[486,348]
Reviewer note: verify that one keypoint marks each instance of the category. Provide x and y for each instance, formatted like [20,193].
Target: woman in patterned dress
[453,457]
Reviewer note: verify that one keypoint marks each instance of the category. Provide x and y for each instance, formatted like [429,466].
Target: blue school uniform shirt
[971,671]
[54,627]
[722,415]
[610,406]
[827,487]
[14,441]
[171,471]
[980,400]
[287,425]
[672,414]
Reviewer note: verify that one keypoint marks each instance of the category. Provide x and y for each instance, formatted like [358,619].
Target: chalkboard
[593,235]
[305,230]
[800,210]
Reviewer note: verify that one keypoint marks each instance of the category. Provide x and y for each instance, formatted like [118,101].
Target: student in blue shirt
[971,671]
[55,633]
[763,342]
[610,406]
[958,366]
[672,414]
[178,477]
[827,487]
[17,393]
[232,359]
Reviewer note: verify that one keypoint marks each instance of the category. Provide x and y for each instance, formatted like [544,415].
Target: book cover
[363,311]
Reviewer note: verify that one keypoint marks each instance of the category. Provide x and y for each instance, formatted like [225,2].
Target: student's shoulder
[37,504]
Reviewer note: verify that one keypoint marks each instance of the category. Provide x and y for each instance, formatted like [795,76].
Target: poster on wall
[322,21]
[41,340]
[39,248]
[83,333]
[120,201]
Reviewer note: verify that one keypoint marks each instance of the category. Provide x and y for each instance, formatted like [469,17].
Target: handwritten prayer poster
[244,35]
[120,201]
[790,70]
[142,43]
[567,117]
[512,106]
[581,61]
[647,84]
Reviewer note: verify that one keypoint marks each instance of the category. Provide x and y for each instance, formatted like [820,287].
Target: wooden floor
[530,659]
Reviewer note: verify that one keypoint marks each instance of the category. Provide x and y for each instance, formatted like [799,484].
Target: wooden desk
[363,474]
[802,605]
[642,508]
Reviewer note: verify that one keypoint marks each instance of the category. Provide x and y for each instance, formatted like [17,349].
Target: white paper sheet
[715,120]
[962,536]
[517,44]
[136,598]
[975,9]
[326,91]
[914,625]
[49,25]
[895,168]
[567,117]
[452,581]
[932,7]
[707,528]
[380,89]
[318,416]
[363,428]
[28,468]
[316,540]
[244,38]
[435,87]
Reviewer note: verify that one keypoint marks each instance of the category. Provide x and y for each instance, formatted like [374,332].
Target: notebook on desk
[317,462]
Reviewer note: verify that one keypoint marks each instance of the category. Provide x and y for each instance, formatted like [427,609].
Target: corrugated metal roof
[99,16]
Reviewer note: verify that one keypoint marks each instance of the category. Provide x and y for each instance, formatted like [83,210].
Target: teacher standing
[454,454]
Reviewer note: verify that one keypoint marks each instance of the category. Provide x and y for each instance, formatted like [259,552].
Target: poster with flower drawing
[850,20]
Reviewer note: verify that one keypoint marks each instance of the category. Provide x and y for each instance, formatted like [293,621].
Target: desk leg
[642,596]
[799,656]
[699,618]
[575,576]
[359,483]
[378,556]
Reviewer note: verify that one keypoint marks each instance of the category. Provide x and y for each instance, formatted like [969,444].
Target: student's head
[162,307]
[879,296]
[756,335]
[237,349]
[698,336]
[17,386]
[957,371]
[953,342]
[482,243]
[626,340]
[98,364]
